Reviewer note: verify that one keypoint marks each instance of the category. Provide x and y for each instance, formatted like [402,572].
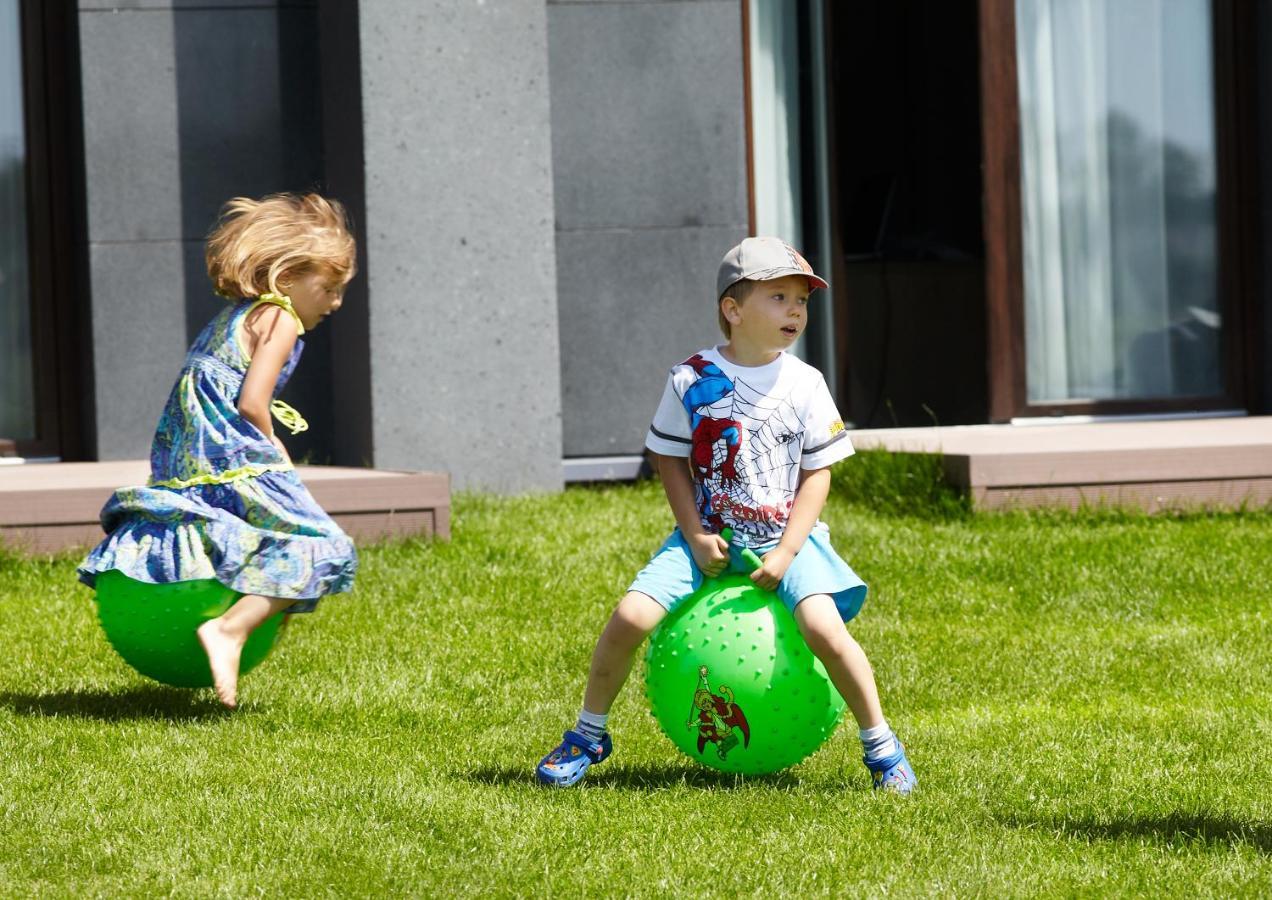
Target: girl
[223,500]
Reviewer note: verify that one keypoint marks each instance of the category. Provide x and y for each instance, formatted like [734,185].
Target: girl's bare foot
[223,652]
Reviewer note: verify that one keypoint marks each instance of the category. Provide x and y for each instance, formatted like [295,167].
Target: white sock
[591,725]
[878,741]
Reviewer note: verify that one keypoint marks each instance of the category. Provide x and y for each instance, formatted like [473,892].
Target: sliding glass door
[1114,183]
[1120,242]
[44,346]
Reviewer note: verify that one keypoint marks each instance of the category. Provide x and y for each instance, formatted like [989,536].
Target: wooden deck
[1220,462]
[1215,462]
[49,507]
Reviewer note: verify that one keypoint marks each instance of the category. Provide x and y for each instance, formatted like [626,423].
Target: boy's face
[773,316]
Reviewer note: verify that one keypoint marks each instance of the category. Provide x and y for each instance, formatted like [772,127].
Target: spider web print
[767,461]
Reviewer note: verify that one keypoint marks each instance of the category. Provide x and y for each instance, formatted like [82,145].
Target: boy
[743,439]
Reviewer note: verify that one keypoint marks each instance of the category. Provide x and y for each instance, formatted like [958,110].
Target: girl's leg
[223,639]
[845,661]
[632,621]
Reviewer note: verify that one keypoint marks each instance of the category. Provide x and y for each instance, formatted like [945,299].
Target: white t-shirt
[747,431]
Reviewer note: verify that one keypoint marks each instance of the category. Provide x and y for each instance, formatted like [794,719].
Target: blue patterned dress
[222,502]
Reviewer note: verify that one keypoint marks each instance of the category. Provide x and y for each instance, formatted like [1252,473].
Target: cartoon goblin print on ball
[718,719]
[732,658]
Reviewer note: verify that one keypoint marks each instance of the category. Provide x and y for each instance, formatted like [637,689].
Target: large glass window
[1119,243]
[788,148]
[17,398]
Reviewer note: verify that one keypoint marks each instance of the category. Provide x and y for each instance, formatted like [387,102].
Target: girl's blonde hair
[257,242]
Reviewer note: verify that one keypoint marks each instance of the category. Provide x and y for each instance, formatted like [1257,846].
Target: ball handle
[749,556]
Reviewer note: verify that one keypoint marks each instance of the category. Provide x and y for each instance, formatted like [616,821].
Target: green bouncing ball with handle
[152,626]
[732,683]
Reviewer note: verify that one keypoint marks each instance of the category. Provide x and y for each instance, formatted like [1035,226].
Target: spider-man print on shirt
[746,432]
[745,452]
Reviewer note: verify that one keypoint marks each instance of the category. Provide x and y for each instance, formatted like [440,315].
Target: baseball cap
[763,259]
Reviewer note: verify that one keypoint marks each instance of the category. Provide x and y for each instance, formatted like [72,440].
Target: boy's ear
[730,308]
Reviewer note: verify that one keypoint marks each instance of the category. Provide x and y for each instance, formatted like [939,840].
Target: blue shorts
[671,575]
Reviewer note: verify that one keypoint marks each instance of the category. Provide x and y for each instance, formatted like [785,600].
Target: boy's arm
[710,551]
[810,497]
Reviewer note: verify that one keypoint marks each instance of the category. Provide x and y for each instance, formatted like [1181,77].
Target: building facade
[1026,208]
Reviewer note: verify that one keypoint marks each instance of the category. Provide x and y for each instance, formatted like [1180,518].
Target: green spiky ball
[152,626]
[783,705]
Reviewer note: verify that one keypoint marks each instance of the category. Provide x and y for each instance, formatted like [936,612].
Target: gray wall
[461,270]
[649,164]
[461,133]
[186,103]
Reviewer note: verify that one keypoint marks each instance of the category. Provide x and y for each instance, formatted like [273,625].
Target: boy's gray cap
[763,259]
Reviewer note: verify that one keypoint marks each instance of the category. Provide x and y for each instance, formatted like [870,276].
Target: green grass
[1086,700]
[900,484]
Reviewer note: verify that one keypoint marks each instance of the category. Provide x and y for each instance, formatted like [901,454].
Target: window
[44,348]
[1118,183]
[1120,239]
[17,387]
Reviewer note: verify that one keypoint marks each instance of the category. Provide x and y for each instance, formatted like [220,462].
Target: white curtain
[775,124]
[777,138]
[1118,176]
[17,414]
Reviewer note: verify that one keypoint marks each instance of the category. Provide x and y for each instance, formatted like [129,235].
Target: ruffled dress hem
[223,531]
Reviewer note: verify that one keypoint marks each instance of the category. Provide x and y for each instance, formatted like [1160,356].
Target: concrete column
[461,314]
[649,160]
[185,105]
[136,252]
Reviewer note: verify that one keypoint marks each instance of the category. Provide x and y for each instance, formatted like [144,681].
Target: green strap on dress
[288,417]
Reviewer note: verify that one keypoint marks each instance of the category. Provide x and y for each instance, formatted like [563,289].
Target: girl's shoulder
[272,308]
[266,321]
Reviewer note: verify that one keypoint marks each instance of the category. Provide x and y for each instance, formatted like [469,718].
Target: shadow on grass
[143,702]
[1174,828]
[640,778]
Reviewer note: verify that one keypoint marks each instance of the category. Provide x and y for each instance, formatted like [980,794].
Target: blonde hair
[255,243]
[739,291]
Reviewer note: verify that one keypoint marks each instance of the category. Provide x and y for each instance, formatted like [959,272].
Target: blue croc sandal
[892,773]
[568,763]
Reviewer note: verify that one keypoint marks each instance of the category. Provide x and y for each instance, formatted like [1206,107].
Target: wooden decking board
[993,439]
[1151,496]
[47,508]
[1221,462]
[50,538]
[1120,466]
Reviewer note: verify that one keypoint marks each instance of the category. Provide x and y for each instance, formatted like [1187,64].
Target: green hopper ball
[732,683]
[152,626]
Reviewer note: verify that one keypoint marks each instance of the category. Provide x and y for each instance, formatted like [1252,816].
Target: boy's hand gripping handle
[749,556]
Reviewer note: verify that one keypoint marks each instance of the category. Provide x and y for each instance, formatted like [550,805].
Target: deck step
[50,507]
[1151,465]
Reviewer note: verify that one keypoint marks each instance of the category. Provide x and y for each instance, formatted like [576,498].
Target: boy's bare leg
[845,661]
[632,621]
[223,639]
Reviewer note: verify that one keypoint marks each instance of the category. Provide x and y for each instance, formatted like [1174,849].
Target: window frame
[1234,58]
[60,326]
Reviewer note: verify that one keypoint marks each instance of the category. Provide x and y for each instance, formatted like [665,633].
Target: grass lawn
[1087,701]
